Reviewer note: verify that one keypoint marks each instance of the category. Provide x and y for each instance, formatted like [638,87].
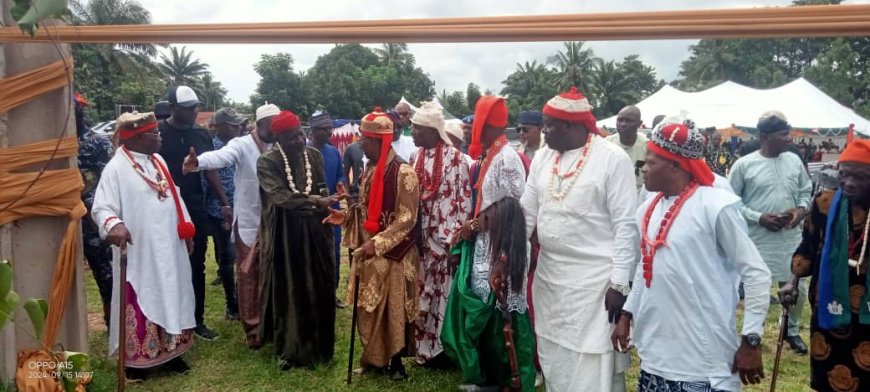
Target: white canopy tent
[733,105]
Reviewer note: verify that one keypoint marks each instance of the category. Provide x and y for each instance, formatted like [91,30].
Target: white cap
[267,110]
[454,127]
[183,96]
[429,114]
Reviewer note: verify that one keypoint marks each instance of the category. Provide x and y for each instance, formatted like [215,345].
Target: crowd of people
[541,263]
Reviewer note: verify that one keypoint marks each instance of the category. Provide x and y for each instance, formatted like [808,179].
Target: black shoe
[178,365]
[232,315]
[774,300]
[204,333]
[134,375]
[397,369]
[285,365]
[339,304]
[216,281]
[440,362]
[797,344]
[398,373]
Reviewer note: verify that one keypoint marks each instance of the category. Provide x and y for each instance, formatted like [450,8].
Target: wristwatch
[622,289]
[752,340]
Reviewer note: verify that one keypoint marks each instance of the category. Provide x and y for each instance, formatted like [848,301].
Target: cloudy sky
[451,66]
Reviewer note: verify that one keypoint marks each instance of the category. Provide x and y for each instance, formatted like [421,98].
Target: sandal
[366,369]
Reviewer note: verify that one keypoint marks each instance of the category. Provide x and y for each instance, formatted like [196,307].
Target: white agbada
[685,322]
[158,266]
[588,241]
[241,152]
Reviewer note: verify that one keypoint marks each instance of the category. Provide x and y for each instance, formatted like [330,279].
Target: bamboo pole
[809,21]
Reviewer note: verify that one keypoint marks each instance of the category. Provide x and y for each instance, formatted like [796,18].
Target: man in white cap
[581,197]
[456,133]
[180,135]
[445,204]
[242,153]
[403,110]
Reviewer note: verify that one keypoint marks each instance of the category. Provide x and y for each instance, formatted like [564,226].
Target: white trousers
[566,370]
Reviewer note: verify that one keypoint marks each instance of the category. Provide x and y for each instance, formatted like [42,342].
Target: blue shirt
[212,202]
[332,167]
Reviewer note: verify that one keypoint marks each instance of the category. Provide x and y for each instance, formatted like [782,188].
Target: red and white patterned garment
[148,344]
[445,205]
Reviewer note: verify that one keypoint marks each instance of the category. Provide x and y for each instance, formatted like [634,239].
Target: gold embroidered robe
[389,298]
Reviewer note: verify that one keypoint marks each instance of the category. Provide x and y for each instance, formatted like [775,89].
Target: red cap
[284,122]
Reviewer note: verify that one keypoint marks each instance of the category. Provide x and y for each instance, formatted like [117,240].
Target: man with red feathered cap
[835,253]
[695,251]
[478,306]
[297,261]
[581,197]
[383,228]
[138,207]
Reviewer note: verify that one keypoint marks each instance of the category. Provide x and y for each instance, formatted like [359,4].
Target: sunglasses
[522,129]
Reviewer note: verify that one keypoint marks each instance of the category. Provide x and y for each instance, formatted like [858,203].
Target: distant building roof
[203,117]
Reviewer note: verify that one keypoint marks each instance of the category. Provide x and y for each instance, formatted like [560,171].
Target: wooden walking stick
[121,321]
[783,330]
[353,324]
[508,331]
[507,324]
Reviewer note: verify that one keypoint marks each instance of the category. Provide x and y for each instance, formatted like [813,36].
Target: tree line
[134,74]
[838,66]
[348,81]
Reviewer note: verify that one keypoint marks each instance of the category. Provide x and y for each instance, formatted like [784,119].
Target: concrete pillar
[32,243]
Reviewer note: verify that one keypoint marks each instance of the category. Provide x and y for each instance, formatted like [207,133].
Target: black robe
[297,266]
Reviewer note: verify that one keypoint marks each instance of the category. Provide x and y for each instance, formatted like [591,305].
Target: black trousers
[225,255]
[197,266]
[99,256]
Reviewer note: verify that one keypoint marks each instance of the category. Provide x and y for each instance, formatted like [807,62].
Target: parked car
[107,128]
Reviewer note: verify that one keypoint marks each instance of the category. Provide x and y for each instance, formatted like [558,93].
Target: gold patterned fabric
[388,295]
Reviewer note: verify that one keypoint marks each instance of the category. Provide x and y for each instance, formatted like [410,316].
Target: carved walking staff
[507,324]
[353,322]
[507,330]
[783,330]
[121,321]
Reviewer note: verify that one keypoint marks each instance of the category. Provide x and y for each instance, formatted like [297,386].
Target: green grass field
[228,365]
